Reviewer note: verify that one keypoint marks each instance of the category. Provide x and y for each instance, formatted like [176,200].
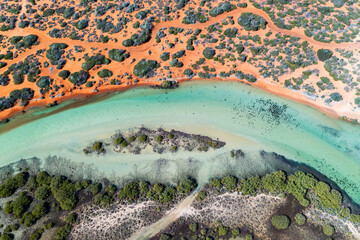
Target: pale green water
[242,116]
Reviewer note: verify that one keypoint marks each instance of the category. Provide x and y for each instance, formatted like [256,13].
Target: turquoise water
[239,114]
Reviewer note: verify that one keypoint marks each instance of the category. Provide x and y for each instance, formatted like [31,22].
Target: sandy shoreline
[84,94]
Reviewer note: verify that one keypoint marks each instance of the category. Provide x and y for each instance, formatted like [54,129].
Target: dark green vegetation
[303,186]
[105,73]
[24,42]
[159,140]
[79,78]
[145,68]
[209,53]
[324,54]
[23,95]
[92,61]
[118,55]
[55,53]
[280,221]
[42,198]
[221,8]
[251,22]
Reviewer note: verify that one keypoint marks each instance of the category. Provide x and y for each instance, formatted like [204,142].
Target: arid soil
[308,89]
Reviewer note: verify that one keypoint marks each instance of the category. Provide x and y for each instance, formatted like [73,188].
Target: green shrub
[48,12]
[28,219]
[40,210]
[6,236]
[14,40]
[30,40]
[159,138]
[231,32]
[336,96]
[128,42]
[79,78]
[280,221]
[222,230]
[193,227]
[229,182]
[235,232]
[97,146]
[145,68]
[64,74]
[328,230]
[82,24]
[65,192]
[209,53]
[300,219]
[178,54]
[42,192]
[44,82]
[324,54]
[251,22]
[118,55]
[105,73]
[95,188]
[55,52]
[221,8]
[130,192]
[63,232]
[188,72]
[10,185]
[142,138]
[68,12]
[71,218]
[186,185]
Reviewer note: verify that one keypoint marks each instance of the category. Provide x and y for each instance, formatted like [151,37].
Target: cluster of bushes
[280,221]
[106,25]
[24,95]
[197,230]
[248,77]
[158,192]
[142,37]
[44,82]
[192,17]
[178,54]
[118,55]
[105,73]
[64,74]
[324,54]
[252,22]
[97,59]
[55,53]
[165,56]
[11,184]
[79,78]
[299,184]
[82,24]
[145,68]
[231,32]
[4,80]
[209,53]
[335,96]
[24,42]
[223,7]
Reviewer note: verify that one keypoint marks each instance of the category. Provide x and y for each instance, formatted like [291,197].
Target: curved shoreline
[87,95]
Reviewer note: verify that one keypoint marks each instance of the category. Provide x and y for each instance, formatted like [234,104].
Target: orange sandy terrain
[152,49]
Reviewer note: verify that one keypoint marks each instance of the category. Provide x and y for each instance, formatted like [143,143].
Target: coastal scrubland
[56,50]
[40,205]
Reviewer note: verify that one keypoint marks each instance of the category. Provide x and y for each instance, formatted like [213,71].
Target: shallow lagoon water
[241,115]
